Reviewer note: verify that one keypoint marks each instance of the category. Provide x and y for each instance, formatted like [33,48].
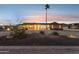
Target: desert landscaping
[41,38]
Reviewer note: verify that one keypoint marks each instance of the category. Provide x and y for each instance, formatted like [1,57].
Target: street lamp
[46,8]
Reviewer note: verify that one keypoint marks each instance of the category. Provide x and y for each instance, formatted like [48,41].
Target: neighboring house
[41,26]
[1,28]
[73,26]
[5,28]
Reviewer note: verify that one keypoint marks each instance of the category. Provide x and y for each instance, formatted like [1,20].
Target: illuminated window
[59,26]
[52,26]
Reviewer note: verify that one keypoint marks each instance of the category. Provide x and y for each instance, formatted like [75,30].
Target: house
[73,26]
[1,28]
[41,26]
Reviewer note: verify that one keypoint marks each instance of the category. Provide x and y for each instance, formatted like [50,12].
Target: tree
[46,7]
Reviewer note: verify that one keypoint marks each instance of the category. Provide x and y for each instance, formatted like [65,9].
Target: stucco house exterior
[41,26]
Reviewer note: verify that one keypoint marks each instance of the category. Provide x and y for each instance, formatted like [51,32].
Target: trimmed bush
[55,33]
[42,32]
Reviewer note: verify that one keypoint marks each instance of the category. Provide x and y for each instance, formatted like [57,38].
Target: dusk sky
[35,13]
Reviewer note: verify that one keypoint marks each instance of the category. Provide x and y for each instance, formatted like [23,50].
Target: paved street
[39,49]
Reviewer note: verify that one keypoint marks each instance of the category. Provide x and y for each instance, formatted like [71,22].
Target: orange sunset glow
[41,19]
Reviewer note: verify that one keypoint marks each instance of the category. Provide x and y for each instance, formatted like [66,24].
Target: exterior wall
[56,27]
[34,27]
[40,27]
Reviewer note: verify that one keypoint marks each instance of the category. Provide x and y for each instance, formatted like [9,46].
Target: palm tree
[46,7]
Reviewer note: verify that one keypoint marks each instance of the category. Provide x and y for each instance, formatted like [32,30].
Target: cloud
[41,19]
[4,22]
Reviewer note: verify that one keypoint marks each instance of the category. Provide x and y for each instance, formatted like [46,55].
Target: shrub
[42,32]
[55,33]
[19,34]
